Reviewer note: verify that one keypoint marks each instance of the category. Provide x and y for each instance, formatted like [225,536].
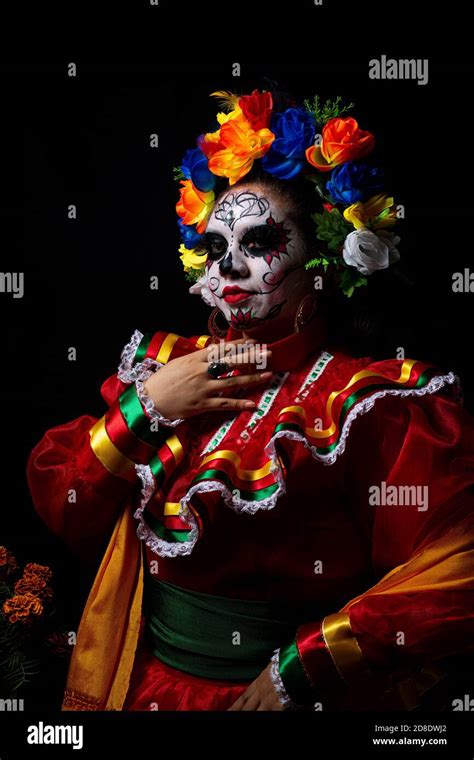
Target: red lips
[234,294]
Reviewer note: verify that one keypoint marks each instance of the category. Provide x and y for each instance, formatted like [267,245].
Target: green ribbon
[136,419]
[293,674]
[218,637]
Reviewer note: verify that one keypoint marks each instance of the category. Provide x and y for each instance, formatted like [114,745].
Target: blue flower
[189,236]
[353,181]
[195,168]
[294,131]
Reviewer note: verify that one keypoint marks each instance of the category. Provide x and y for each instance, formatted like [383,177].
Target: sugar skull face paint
[255,258]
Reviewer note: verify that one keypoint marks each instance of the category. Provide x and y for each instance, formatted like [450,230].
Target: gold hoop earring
[305,311]
[217,330]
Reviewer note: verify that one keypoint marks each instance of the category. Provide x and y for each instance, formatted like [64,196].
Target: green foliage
[319,181]
[350,280]
[178,173]
[321,261]
[326,110]
[192,275]
[16,666]
[332,228]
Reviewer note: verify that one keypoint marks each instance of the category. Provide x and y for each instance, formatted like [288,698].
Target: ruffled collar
[290,352]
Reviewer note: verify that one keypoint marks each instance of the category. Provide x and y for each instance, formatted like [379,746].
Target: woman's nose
[234,262]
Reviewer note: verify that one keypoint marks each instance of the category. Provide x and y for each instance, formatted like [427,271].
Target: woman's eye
[215,246]
[261,241]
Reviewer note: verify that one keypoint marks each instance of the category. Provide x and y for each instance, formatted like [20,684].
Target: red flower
[257,108]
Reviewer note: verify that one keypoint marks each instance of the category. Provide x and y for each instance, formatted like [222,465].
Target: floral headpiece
[316,141]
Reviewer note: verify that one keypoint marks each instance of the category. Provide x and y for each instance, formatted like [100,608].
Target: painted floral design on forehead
[317,141]
[237,206]
[267,238]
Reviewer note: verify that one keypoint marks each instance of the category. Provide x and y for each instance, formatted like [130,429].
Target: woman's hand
[183,387]
[260,695]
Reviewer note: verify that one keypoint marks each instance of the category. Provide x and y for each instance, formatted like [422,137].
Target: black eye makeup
[260,240]
[257,241]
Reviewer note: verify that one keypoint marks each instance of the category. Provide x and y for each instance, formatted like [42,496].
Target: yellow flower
[191,259]
[222,117]
[379,211]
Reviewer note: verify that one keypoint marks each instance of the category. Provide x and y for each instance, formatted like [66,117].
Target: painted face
[255,263]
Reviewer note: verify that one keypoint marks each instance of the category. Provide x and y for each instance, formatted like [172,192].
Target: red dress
[349,489]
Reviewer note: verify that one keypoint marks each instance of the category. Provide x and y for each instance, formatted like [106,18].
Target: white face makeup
[255,264]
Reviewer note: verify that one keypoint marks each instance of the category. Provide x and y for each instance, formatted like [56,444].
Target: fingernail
[250,404]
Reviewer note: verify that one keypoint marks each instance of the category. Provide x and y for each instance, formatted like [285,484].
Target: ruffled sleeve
[409,476]
[82,471]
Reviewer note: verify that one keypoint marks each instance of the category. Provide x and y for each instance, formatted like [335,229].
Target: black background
[85,141]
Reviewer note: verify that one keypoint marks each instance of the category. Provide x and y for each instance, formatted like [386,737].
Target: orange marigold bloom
[23,608]
[34,584]
[8,563]
[43,571]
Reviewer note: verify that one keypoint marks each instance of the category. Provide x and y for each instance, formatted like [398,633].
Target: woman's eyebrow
[214,232]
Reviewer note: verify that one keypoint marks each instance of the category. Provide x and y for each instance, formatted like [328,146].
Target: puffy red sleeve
[409,476]
[81,472]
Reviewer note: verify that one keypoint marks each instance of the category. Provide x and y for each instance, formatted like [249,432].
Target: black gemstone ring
[218,368]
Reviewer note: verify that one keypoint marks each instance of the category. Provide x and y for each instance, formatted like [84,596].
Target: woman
[305,515]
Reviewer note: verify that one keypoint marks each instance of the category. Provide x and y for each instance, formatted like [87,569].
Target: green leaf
[329,109]
[332,228]
[193,275]
[350,280]
[178,173]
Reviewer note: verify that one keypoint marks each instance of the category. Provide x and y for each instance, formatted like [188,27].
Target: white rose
[200,288]
[368,251]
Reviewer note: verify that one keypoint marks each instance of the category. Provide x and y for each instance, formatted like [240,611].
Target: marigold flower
[23,608]
[8,563]
[34,584]
[44,572]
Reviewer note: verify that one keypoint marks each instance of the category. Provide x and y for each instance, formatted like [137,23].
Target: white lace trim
[217,437]
[267,399]
[285,699]
[435,384]
[127,356]
[233,500]
[314,374]
[158,545]
[148,403]
[264,405]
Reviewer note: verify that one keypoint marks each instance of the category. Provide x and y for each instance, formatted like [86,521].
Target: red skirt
[157,686]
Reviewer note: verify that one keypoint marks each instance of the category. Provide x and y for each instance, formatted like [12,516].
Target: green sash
[215,636]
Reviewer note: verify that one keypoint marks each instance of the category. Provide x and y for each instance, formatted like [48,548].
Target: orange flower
[342,141]
[241,145]
[194,206]
[8,563]
[34,584]
[43,571]
[23,608]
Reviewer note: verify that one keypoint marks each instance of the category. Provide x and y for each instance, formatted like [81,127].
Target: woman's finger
[214,386]
[218,404]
